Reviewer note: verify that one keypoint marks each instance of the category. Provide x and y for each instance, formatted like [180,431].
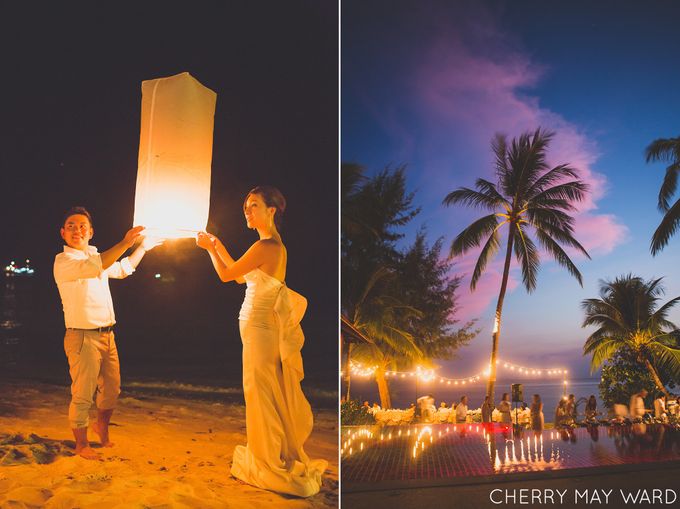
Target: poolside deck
[420,456]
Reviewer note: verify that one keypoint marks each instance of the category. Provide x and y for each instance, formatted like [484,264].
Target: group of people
[565,413]
[278,416]
[663,406]
[456,413]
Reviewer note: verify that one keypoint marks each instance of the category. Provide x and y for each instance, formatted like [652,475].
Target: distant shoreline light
[14,270]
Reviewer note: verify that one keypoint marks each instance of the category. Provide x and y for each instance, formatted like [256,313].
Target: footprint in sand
[28,497]
[13,456]
[15,449]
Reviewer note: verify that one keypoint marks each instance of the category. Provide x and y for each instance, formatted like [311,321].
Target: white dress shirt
[659,407]
[461,412]
[84,287]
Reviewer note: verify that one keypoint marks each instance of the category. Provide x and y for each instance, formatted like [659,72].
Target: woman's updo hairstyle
[272,197]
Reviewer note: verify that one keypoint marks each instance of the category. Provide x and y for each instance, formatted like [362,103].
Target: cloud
[465,94]
[472,304]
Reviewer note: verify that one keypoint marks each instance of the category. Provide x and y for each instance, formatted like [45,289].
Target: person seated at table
[660,407]
[504,407]
[462,410]
[620,413]
[591,408]
[637,404]
[442,405]
[375,408]
[561,415]
[571,407]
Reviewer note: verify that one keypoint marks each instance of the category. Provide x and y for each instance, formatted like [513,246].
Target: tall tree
[628,317]
[402,301]
[425,284]
[373,209]
[532,200]
[666,150]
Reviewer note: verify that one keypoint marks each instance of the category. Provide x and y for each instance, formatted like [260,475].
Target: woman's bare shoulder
[270,244]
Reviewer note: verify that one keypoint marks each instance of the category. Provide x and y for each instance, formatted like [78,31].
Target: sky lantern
[175,153]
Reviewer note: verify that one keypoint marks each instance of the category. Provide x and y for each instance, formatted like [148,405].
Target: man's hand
[148,243]
[132,235]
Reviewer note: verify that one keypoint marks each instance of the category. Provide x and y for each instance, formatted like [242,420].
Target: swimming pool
[440,451]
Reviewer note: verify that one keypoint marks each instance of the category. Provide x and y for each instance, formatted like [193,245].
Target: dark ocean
[176,335]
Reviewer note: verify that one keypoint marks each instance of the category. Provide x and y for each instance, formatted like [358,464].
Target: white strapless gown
[278,416]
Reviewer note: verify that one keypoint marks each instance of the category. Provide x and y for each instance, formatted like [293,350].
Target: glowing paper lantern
[175,152]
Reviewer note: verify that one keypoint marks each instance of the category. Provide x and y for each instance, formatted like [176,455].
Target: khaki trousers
[93,366]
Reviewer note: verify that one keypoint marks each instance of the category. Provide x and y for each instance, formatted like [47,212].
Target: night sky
[70,101]
[428,84]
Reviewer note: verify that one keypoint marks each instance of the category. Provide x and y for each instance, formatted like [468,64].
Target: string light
[428,375]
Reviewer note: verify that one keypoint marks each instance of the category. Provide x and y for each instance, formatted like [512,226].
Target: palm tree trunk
[347,377]
[655,377]
[491,384]
[383,388]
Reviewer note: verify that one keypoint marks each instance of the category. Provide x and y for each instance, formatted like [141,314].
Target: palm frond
[552,204]
[666,229]
[574,191]
[547,217]
[611,323]
[528,159]
[472,235]
[552,177]
[527,254]
[559,255]
[499,146]
[663,149]
[487,253]
[467,196]
[395,338]
[601,351]
[379,274]
[669,186]
[666,357]
[489,189]
[557,228]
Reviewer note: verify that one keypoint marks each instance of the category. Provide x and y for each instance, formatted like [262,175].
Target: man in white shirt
[82,276]
[660,407]
[462,409]
[637,405]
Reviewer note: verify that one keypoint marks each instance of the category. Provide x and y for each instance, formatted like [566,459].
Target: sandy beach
[169,452]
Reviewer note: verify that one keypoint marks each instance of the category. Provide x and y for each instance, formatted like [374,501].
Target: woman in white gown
[278,416]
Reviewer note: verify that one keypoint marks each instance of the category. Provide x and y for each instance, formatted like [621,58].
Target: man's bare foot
[83,448]
[102,430]
[88,453]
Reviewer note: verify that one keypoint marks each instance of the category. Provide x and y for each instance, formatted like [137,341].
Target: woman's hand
[206,240]
[148,243]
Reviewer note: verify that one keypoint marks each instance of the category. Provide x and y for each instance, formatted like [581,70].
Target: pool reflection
[445,450]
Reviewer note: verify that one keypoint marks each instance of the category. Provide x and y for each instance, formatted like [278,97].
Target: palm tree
[381,317]
[667,150]
[626,316]
[530,198]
